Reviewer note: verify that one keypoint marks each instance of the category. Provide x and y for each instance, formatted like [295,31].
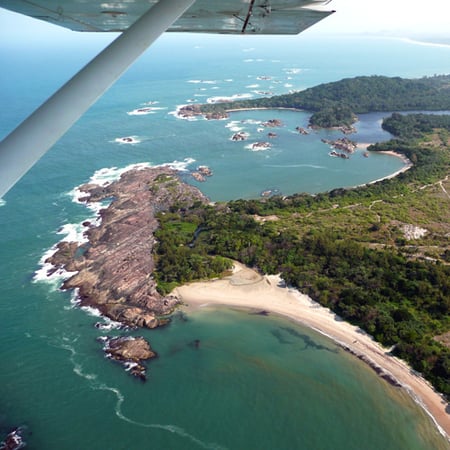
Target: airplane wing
[141,23]
[204,16]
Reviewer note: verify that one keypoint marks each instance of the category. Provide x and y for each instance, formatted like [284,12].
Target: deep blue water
[252,384]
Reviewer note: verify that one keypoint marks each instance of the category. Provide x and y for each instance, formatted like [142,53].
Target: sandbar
[246,288]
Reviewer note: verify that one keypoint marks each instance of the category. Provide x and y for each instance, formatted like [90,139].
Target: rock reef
[343,144]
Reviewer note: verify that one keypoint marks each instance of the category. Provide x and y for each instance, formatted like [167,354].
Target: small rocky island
[346,146]
[239,136]
[272,123]
[113,270]
[131,352]
[202,173]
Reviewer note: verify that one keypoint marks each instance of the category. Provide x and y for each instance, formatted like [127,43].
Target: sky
[389,17]
[401,18]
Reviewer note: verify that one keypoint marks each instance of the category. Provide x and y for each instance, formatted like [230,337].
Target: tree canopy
[344,248]
[338,103]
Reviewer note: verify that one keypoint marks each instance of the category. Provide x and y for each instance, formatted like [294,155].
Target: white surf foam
[68,344]
[257,147]
[292,70]
[128,140]
[234,125]
[107,175]
[190,118]
[46,272]
[289,166]
[221,99]
[145,110]
[203,81]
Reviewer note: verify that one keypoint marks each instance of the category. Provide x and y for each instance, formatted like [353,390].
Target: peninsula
[113,271]
[337,104]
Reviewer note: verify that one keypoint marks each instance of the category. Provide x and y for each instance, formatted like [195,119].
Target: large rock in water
[131,352]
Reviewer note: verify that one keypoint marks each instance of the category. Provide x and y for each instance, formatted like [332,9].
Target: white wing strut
[30,140]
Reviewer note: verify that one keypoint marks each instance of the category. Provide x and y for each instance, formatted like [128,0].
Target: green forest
[346,249]
[337,104]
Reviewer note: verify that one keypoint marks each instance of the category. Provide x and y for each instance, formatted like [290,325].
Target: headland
[113,270]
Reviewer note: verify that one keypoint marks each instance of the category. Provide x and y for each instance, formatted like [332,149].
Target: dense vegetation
[414,125]
[345,248]
[337,103]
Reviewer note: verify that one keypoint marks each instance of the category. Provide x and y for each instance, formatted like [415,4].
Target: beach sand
[245,288]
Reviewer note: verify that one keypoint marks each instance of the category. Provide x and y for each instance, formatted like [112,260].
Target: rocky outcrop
[301,130]
[338,155]
[190,111]
[260,146]
[343,144]
[202,173]
[131,352]
[239,136]
[113,270]
[272,123]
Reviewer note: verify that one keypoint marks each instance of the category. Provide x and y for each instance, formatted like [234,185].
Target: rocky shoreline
[114,268]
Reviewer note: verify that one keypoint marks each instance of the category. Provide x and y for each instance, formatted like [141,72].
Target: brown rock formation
[301,130]
[239,136]
[131,352]
[272,123]
[189,111]
[343,144]
[114,270]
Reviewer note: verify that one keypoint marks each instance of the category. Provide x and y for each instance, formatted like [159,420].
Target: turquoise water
[255,382]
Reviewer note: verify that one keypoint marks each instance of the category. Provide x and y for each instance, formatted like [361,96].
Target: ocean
[254,382]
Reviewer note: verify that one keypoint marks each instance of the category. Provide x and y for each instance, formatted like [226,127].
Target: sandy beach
[245,288]
[407,162]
